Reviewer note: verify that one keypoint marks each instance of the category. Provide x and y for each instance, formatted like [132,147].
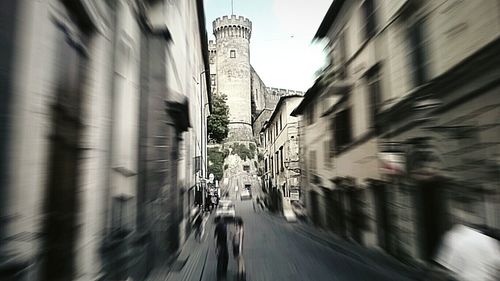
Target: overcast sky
[282,31]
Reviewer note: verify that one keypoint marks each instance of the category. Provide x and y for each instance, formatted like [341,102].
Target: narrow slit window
[232,54]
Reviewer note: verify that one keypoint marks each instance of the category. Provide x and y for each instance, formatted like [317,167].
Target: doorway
[432,216]
[382,215]
[314,207]
[61,205]
[61,202]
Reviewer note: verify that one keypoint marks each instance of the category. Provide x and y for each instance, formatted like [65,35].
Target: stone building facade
[281,151]
[99,135]
[408,102]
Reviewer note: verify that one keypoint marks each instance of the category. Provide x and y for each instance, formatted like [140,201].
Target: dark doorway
[8,13]
[338,213]
[61,204]
[381,213]
[314,207]
[330,209]
[335,215]
[177,207]
[432,215]
[357,216]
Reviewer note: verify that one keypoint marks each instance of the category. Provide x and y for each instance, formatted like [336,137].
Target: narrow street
[277,250]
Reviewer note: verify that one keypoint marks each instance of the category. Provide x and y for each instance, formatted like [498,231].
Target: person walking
[221,249]
[198,224]
[238,249]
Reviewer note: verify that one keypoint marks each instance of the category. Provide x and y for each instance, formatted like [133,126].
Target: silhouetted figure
[238,248]
[198,224]
[221,250]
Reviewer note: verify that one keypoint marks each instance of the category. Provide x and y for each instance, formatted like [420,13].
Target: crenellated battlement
[283,92]
[234,26]
[212,45]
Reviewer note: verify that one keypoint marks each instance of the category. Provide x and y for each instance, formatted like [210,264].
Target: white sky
[280,47]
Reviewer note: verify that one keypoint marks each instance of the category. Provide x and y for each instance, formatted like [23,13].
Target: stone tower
[232,36]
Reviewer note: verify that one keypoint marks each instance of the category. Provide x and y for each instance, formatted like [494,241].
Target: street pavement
[277,250]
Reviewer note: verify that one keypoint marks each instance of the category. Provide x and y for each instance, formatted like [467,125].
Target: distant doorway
[61,199]
[432,215]
[382,213]
[314,207]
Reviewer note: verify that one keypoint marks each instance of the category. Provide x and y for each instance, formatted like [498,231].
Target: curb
[379,260]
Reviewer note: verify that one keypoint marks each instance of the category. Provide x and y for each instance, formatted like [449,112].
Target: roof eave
[329,18]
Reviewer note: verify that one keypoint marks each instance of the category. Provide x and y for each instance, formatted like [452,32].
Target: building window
[368,8]
[271,165]
[326,147]
[232,54]
[310,114]
[312,162]
[265,165]
[343,135]
[277,163]
[281,159]
[212,79]
[342,73]
[246,168]
[373,84]
[417,53]
[332,138]
[281,123]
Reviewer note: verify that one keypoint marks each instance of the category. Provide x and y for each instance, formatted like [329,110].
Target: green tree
[216,162]
[218,120]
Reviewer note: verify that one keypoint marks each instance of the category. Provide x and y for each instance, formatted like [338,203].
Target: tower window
[232,54]
[212,79]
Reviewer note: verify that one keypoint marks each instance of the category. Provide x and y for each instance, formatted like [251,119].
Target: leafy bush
[252,147]
[216,160]
[243,151]
[218,121]
[260,157]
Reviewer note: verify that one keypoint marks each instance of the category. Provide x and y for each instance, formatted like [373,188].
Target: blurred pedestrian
[198,224]
[238,249]
[207,202]
[221,250]
[214,201]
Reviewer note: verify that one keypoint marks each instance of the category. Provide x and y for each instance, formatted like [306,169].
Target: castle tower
[232,57]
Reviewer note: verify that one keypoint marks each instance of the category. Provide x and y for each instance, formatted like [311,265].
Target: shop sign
[392,163]
[294,195]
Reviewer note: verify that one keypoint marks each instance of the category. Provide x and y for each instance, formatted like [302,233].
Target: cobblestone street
[277,250]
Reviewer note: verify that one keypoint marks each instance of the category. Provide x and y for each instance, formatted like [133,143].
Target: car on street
[470,254]
[225,209]
[245,194]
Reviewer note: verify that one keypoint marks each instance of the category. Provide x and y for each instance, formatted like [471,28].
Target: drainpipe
[201,141]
